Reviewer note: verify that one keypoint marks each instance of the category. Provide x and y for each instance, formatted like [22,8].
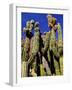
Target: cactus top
[51,21]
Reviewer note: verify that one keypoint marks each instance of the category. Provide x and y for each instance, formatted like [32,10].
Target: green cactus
[46,44]
[60,44]
[45,51]
[53,48]
[24,69]
[61,65]
[42,72]
[26,48]
[35,47]
[60,48]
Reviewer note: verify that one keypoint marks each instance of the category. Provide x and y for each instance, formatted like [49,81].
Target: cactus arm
[46,44]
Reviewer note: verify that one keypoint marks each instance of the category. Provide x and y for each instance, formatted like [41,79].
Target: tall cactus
[45,53]
[60,48]
[53,48]
[35,46]
[42,54]
[26,48]
[60,41]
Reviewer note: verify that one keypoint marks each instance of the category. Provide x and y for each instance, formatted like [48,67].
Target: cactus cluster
[42,54]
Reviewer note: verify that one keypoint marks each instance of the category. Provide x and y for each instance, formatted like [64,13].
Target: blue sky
[42,19]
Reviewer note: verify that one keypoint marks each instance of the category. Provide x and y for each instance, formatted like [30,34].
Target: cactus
[26,48]
[45,52]
[60,48]
[60,43]
[42,54]
[35,47]
[53,48]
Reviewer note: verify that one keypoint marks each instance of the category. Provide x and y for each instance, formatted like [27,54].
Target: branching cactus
[26,48]
[53,48]
[42,54]
[35,47]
